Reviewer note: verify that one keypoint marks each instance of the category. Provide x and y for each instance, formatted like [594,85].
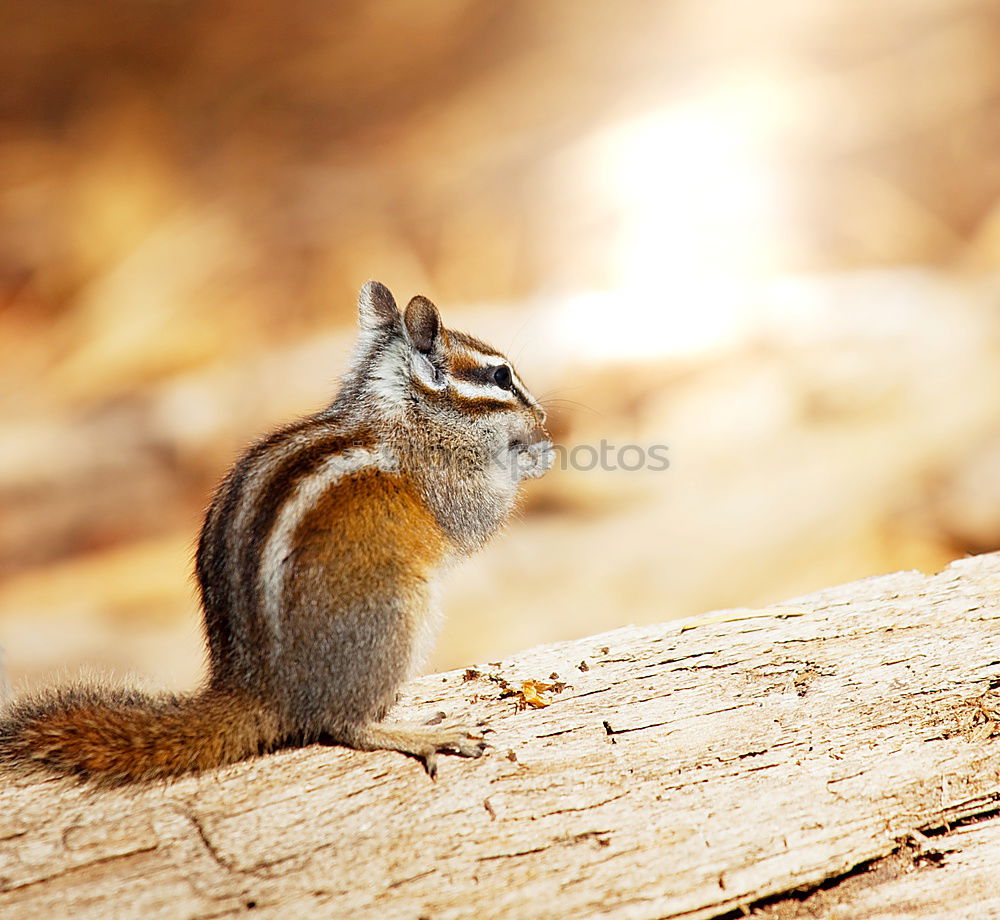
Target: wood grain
[687,770]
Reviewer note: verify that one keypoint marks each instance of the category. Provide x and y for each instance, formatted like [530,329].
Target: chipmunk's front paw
[535,460]
[461,740]
[453,739]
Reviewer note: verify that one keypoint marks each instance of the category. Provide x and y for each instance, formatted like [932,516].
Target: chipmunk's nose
[530,437]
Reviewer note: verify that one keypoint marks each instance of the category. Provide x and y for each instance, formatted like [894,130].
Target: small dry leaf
[533,693]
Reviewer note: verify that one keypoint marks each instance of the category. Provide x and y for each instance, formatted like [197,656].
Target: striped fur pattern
[318,563]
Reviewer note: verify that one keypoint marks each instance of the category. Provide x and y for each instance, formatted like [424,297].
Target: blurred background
[765,236]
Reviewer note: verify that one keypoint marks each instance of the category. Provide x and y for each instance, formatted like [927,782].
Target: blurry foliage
[425,141]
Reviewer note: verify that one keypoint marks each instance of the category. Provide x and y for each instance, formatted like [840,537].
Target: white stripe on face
[482,390]
[483,359]
[472,390]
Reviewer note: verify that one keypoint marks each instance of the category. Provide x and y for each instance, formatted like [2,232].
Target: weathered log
[844,742]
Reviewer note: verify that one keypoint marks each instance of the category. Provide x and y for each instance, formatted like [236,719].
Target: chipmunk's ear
[376,307]
[423,327]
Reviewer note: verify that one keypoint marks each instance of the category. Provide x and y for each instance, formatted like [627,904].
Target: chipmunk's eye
[501,376]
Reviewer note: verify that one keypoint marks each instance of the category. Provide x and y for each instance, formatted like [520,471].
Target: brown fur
[372,576]
[116,735]
[470,341]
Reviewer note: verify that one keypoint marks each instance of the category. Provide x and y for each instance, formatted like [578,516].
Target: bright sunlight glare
[695,199]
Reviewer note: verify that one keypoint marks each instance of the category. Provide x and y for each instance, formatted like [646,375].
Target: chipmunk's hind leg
[424,742]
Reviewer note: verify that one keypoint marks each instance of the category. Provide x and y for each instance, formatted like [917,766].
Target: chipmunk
[317,565]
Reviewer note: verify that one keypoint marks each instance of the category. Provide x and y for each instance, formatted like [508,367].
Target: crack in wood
[494,856]
[637,728]
[224,864]
[588,807]
[83,868]
[913,845]
[601,836]
[405,881]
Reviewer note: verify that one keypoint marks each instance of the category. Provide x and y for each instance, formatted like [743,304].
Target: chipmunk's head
[408,367]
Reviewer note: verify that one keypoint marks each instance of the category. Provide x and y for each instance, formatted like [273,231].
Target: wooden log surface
[835,753]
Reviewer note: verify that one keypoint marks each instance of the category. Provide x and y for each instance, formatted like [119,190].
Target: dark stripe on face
[464,367]
[483,405]
[474,374]
[475,344]
[477,405]
[427,391]
[482,376]
[522,396]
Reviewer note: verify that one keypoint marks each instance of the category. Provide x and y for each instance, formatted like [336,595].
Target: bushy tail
[114,736]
